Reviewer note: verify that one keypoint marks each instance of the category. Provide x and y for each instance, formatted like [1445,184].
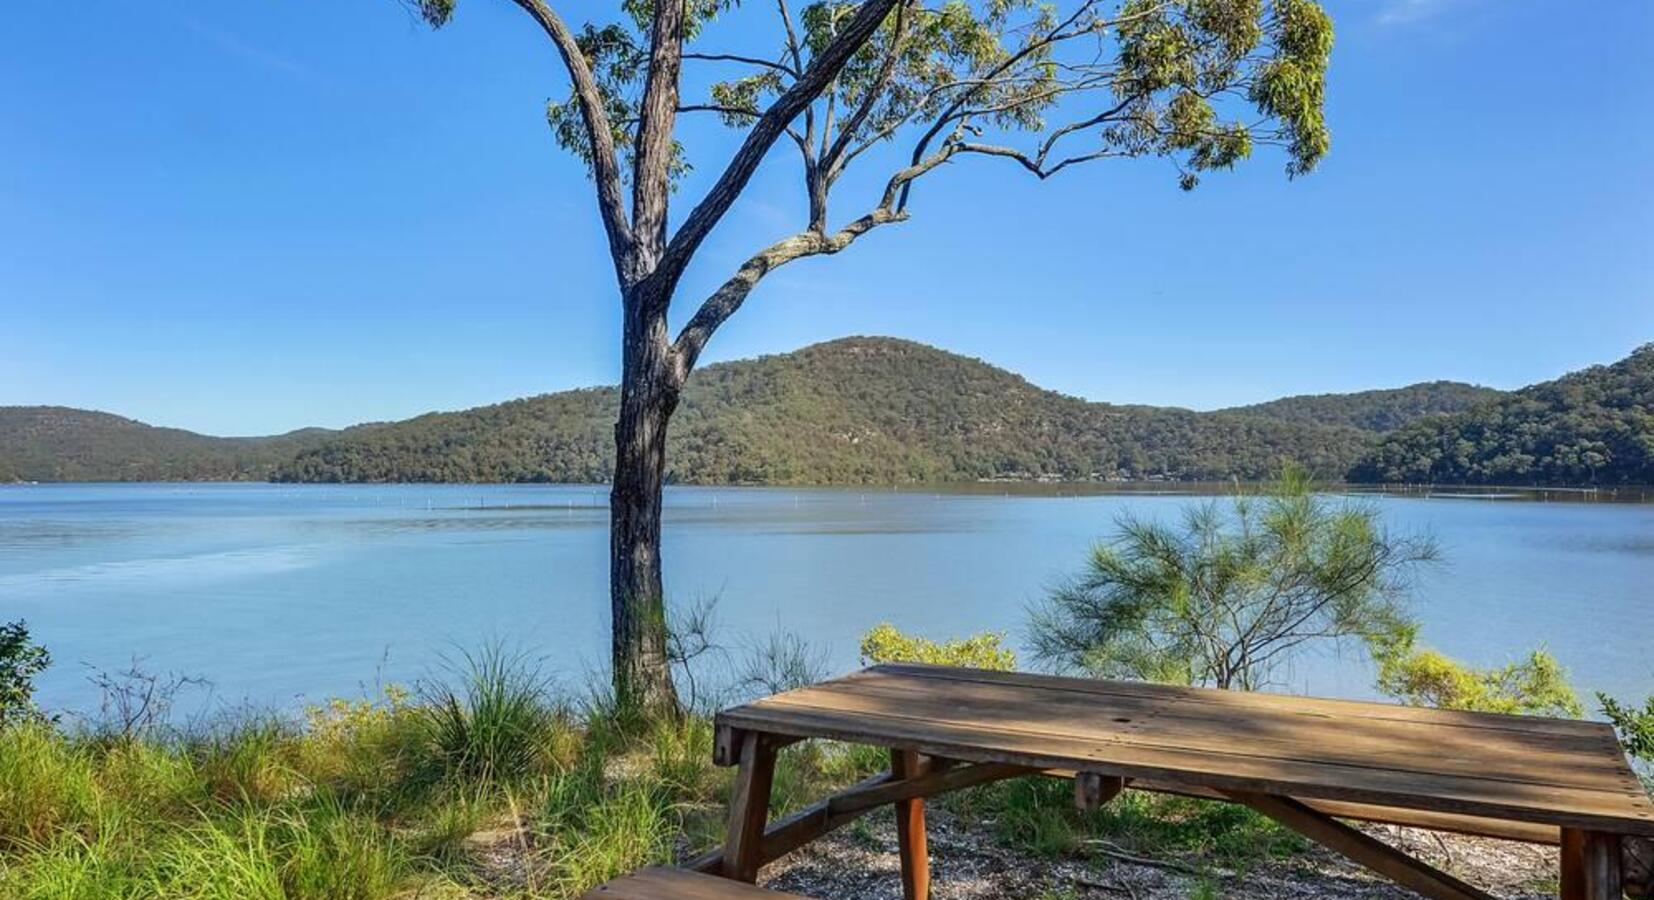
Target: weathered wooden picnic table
[1307,763]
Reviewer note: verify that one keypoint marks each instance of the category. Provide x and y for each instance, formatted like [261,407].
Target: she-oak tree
[1040,86]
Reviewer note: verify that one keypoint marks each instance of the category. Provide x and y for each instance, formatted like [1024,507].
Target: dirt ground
[968,864]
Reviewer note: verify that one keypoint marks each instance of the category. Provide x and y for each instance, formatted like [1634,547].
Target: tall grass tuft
[497,724]
[47,786]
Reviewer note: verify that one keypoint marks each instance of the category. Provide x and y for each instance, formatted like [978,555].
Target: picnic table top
[1520,768]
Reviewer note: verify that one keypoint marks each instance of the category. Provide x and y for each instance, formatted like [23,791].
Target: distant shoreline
[1022,487]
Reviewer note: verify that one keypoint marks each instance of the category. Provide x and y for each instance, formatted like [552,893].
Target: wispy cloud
[1403,12]
[244,51]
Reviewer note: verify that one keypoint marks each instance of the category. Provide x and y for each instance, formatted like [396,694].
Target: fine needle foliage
[1228,596]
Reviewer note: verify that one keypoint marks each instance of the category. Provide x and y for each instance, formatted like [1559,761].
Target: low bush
[1537,685]
[886,644]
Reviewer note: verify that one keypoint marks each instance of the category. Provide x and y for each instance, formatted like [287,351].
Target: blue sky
[245,216]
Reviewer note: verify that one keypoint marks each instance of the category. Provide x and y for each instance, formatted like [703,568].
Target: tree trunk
[648,395]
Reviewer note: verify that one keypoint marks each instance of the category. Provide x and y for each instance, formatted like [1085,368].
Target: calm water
[279,593]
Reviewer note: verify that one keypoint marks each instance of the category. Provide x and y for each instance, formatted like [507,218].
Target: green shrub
[886,644]
[1636,729]
[1537,685]
[1233,592]
[21,659]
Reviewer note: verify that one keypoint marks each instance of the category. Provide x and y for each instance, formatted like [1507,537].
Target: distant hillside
[852,411]
[1381,411]
[55,443]
[886,411]
[1595,426]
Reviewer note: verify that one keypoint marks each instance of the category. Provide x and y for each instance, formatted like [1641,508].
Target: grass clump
[483,784]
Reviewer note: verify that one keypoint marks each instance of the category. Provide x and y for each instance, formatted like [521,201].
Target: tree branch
[652,162]
[728,298]
[770,126]
[605,171]
[847,132]
[783,68]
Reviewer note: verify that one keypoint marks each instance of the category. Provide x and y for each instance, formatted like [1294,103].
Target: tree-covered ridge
[1381,410]
[852,411]
[1595,426]
[56,443]
[886,411]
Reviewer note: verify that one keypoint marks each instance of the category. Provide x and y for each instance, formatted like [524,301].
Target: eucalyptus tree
[906,85]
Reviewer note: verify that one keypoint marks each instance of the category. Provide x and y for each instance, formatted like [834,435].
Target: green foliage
[852,411]
[884,643]
[1233,592]
[1590,427]
[364,801]
[54,443]
[21,659]
[1038,816]
[884,411]
[1537,685]
[1636,726]
[1380,411]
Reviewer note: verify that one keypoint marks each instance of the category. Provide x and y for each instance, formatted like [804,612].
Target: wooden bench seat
[679,884]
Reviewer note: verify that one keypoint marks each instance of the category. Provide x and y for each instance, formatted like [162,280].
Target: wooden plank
[1593,810]
[749,803]
[1092,790]
[1380,857]
[1289,704]
[1565,761]
[910,828]
[677,884]
[1476,826]
[1590,865]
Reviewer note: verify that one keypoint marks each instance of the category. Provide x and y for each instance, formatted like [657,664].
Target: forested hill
[56,443]
[852,411]
[883,411]
[1383,410]
[1595,426]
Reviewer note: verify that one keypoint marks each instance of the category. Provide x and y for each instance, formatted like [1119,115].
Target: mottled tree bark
[648,395]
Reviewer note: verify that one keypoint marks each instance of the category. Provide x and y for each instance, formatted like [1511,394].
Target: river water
[281,594]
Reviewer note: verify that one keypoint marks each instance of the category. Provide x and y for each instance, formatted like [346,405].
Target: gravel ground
[968,864]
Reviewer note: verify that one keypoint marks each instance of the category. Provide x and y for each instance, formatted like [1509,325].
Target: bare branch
[783,68]
[728,298]
[605,171]
[770,126]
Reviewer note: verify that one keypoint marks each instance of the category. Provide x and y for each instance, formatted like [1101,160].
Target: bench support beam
[1376,855]
[749,807]
[1092,791]
[910,826]
[794,831]
[1590,865]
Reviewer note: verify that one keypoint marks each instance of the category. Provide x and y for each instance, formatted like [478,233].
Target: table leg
[749,807]
[910,829]
[1590,865]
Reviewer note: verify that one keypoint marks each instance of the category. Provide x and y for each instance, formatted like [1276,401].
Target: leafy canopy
[1229,595]
[1198,82]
